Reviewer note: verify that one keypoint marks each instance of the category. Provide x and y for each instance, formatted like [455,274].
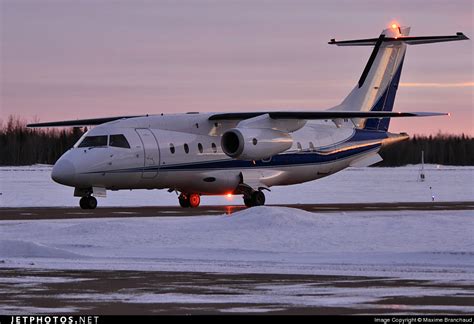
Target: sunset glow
[87,59]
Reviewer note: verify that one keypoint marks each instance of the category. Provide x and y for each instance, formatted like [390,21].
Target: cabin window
[214,148]
[94,141]
[298,146]
[311,146]
[119,140]
[186,148]
[172,149]
[200,148]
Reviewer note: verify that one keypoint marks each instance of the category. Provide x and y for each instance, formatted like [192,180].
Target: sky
[64,59]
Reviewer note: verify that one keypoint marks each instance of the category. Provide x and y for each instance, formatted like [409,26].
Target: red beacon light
[396,28]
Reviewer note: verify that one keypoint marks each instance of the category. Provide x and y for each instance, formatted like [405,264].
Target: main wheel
[82,203]
[248,202]
[88,202]
[258,198]
[184,201]
[194,200]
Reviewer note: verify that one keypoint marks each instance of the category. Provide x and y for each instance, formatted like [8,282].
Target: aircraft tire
[88,202]
[194,200]
[248,202]
[184,201]
[258,198]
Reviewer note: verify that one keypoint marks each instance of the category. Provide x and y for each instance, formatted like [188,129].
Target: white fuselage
[183,152]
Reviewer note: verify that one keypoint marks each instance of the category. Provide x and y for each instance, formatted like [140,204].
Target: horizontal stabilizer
[408,40]
[329,114]
[80,122]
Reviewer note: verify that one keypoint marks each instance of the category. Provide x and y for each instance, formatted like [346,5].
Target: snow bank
[259,239]
[274,218]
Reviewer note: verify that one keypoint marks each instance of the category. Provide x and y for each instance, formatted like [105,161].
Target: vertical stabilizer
[378,83]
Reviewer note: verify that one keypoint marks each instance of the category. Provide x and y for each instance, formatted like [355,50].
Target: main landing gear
[88,202]
[189,200]
[256,198]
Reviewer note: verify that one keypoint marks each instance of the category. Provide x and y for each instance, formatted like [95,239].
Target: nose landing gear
[88,202]
[256,198]
[189,200]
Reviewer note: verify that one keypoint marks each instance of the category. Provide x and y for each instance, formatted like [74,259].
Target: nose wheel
[257,198]
[88,202]
[189,200]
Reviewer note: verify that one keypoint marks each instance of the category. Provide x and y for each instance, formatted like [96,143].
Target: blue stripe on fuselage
[360,142]
[286,159]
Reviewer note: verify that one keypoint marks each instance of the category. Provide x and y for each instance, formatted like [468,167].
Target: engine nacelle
[254,143]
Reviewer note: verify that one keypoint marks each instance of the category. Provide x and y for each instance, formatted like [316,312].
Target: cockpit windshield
[94,141]
[119,141]
[116,140]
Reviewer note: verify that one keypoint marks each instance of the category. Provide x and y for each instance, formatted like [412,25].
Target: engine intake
[254,143]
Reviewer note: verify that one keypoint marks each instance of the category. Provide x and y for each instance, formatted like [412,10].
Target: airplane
[243,153]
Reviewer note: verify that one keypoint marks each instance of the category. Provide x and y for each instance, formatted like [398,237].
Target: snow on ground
[409,244]
[417,244]
[32,186]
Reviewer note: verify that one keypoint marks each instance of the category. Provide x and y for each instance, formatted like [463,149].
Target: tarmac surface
[24,213]
[99,292]
[36,291]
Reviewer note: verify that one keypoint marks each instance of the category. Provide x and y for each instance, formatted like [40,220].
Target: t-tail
[378,83]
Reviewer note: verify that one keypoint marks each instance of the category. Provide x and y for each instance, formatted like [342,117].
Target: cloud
[437,85]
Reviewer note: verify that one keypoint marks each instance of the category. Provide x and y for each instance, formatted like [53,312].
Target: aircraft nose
[64,172]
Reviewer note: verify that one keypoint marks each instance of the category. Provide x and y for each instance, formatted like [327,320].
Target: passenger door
[151,153]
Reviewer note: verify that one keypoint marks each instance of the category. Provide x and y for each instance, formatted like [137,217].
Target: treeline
[439,149]
[20,145]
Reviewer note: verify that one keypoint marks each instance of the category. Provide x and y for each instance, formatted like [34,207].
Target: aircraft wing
[329,114]
[81,122]
[301,115]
